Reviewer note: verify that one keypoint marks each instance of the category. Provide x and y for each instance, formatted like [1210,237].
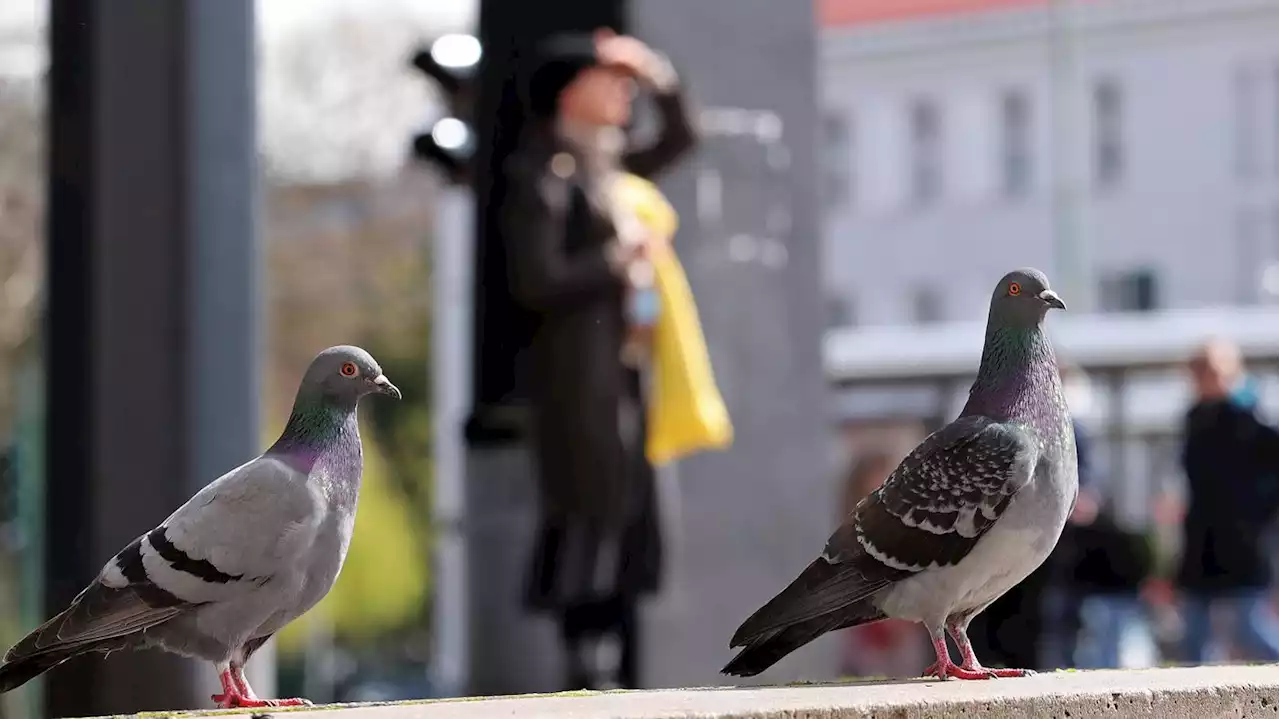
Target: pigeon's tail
[763,651]
[101,619]
[20,670]
[823,588]
[826,596]
[40,651]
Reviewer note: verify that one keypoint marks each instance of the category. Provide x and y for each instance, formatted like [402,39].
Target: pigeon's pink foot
[1005,673]
[970,662]
[237,694]
[236,701]
[952,671]
[944,668]
[956,672]
[230,692]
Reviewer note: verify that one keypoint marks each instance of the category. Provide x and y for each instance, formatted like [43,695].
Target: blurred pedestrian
[1076,605]
[1229,456]
[889,648]
[1100,564]
[598,549]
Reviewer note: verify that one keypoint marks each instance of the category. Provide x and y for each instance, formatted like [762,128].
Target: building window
[1247,95]
[927,306]
[1108,128]
[1256,231]
[1131,291]
[926,151]
[1015,143]
[1266,261]
[1275,118]
[837,160]
[840,311]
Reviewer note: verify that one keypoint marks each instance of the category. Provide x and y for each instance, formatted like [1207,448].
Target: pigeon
[969,513]
[245,556]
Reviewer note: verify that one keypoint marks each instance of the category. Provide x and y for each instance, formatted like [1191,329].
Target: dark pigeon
[970,512]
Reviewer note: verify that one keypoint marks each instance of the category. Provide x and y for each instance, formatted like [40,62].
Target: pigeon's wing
[944,496]
[231,537]
[928,513]
[236,533]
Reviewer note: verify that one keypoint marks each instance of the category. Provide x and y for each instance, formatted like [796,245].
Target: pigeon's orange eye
[1015,289]
[349,369]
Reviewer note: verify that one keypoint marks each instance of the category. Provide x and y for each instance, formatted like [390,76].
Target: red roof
[837,13]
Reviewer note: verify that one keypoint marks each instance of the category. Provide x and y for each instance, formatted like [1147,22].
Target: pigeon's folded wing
[929,512]
[102,613]
[232,537]
[943,497]
[236,533]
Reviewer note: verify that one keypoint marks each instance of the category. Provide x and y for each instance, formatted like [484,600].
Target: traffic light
[450,143]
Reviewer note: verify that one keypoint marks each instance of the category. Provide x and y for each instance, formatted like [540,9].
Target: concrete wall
[744,523]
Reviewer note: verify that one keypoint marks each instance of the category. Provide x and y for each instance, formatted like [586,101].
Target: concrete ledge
[1185,693]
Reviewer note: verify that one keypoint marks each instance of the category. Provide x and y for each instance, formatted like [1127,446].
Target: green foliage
[404,431]
[348,265]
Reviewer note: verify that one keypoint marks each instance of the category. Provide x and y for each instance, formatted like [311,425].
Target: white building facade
[1127,147]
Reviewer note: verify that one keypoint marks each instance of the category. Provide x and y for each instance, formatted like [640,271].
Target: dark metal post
[224,268]
[501,501]
[153,306]
[1117,421]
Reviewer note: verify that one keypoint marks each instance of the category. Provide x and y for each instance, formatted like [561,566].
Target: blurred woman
[572,253]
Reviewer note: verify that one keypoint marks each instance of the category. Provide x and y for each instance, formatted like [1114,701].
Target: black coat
[1230,459]
[596,488]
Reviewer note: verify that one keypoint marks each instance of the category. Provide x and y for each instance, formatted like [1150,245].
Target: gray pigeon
[245,556]
[972,511]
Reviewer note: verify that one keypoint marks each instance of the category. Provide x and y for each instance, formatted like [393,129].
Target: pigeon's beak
[385,387]
[1052,299]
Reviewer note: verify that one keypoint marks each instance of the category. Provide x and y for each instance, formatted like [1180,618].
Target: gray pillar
[451,390]
[751,518]
[153,305]
[512,651]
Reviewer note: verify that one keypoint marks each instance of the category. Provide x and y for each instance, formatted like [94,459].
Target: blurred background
[196,197]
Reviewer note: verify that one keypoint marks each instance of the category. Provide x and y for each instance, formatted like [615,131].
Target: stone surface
[1184,693]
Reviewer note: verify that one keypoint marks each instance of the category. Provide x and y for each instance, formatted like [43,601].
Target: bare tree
[21,227]
[338,99]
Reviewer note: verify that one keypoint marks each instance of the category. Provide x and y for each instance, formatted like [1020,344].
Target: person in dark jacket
[1099,565]
[1062,599]
[598,548]
[1229,456]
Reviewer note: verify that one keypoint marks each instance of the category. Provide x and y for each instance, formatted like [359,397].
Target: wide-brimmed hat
[555,63]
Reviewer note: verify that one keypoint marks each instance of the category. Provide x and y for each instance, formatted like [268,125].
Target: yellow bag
[686,412]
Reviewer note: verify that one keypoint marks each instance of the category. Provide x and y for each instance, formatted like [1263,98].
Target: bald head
[1215,368]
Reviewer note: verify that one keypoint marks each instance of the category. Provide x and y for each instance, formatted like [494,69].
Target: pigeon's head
[1023,298]
[347,373]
